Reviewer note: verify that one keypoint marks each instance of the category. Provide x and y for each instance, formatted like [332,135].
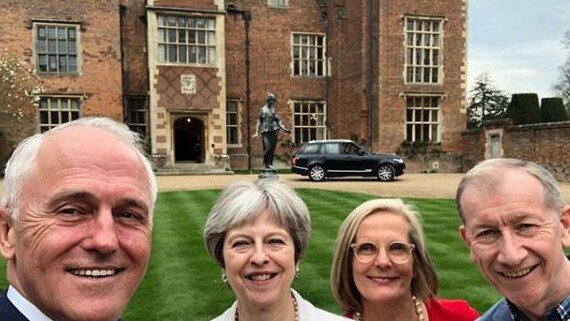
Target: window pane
[62,63]
[54,118]
[161,35]
[59,42]
[181,36]
[72,48]
[42,63]
[43,117]
[172,35]
[52,31]
[308,55]
[52,46]
[172,53]
[52,63]
[186,33]
[161,53]
[182,55]
[72,64]
[422,49]
[211,55]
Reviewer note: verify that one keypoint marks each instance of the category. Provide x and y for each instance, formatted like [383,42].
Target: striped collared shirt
[561,312]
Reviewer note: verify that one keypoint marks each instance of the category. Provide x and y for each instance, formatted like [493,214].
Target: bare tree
[562,86]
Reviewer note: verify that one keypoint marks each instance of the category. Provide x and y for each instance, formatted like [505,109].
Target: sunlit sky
[518,42]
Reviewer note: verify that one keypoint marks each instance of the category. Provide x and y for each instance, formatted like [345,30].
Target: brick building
[184,73]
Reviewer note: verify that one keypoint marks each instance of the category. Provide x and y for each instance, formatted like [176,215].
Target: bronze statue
[269,124]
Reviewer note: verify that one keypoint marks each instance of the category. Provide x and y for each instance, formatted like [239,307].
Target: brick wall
[134,45]
[270,68]
[376,28]
[545,144]
[99,47]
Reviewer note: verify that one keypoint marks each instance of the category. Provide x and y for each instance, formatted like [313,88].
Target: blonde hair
[345,292]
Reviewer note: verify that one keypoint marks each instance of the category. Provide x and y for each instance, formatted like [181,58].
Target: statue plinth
[268,173]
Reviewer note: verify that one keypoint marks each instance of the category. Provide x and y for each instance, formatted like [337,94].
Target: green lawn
[183,283]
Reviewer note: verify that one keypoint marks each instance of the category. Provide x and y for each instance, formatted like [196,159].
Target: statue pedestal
[268,173]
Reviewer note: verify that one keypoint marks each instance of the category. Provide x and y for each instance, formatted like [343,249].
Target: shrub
[524,109]
[552,110]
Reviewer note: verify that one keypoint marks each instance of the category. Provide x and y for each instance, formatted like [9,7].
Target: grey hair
[424,284]
[243,201]
[487,176]
[25,156]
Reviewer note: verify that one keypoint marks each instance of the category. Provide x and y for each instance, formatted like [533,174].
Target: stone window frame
[423,120]
[423,42]
[186,40]
[309,120]
[62,45]
[58,109]
[233,132]
[308,55]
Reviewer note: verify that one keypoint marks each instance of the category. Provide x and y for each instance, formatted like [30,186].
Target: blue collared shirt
[29,310]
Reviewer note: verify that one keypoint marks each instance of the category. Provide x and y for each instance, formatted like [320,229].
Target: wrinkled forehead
[89,150]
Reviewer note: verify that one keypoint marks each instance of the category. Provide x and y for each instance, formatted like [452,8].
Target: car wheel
[386,173]
[317,173]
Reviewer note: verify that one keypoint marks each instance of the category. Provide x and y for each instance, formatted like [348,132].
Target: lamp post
[246,16]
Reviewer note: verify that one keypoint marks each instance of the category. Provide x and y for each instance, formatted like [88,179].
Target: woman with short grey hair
[257,232]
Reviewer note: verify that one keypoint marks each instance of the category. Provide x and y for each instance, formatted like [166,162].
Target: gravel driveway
[407,185]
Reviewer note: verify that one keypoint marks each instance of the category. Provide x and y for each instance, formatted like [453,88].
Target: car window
[349,148]
[309,149]
[332,148]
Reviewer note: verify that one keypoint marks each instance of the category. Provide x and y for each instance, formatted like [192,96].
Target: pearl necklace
[417,308]
[295,306]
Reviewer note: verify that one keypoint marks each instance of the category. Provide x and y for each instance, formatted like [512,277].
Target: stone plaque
[188,84]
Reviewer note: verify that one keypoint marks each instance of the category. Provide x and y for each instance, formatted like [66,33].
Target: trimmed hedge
[524,109]
[552,110]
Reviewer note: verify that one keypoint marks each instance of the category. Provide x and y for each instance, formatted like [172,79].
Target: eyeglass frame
[410,246]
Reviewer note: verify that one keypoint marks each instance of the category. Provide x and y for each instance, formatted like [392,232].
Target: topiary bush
[524,109]
[552,110]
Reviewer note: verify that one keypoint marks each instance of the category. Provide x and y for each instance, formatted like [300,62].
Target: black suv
[320,159]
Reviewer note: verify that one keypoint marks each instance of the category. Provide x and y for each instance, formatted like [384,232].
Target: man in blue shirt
[516,225]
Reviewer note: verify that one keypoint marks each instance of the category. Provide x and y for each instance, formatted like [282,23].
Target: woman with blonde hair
[382,271]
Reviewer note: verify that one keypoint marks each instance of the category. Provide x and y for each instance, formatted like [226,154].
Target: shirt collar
[29,310]
[561,312]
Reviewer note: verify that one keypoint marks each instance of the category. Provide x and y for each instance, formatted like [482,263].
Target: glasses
[398,252]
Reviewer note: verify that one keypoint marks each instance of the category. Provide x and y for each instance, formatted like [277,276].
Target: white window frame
[56,49]
[231,125]
[423,118]
[58,110]
[308,55]
[186,40]
[423,50]
[309,120]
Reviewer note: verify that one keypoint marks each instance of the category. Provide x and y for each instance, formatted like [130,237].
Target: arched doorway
[189,140]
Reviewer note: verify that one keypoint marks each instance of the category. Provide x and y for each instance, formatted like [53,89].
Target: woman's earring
[224,278]
[296,271]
